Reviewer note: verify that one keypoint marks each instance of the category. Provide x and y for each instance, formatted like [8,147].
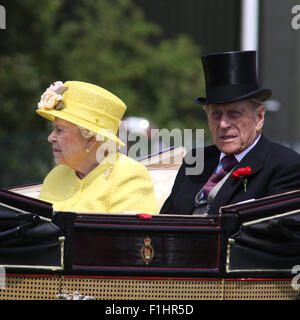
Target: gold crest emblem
[147,251]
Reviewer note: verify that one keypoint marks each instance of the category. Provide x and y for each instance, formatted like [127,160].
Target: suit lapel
[196,182]
[255,160]
[211,161]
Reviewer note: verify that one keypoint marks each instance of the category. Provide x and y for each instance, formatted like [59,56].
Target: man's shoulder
[281,150]
[276,155]
[206,151]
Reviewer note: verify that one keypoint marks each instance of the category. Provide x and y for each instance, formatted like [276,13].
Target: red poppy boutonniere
[242,173]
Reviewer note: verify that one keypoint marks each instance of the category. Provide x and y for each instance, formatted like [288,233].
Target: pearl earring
[87,150]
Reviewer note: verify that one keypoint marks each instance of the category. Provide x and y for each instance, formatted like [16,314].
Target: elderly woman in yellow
[91,175]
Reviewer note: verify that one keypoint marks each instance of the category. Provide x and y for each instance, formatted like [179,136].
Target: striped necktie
[228,162]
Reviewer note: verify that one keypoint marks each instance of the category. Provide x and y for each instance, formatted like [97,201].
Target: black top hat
[231,76]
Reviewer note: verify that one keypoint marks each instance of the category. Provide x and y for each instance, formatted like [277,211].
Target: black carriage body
[28,237]
[257,238]
[267,240]
[139,244]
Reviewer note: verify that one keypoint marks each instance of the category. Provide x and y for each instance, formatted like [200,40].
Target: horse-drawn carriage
[249,250]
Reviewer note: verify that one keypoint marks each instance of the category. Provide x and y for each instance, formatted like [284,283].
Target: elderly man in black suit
[242,164]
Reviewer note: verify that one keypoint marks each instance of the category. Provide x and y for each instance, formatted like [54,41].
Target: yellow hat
[84,104]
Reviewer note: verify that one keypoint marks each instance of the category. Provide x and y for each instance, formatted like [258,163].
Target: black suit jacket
[275,169]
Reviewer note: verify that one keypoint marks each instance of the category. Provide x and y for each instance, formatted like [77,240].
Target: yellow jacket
[118,184]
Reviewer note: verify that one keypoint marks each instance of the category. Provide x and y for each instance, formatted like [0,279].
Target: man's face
[235,126]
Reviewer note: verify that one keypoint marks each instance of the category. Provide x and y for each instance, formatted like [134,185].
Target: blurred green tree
[108,43]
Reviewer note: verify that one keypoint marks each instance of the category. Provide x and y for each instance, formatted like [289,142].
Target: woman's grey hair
[86,133]
[107,145]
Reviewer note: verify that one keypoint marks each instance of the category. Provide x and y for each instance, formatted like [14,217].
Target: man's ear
[260,113]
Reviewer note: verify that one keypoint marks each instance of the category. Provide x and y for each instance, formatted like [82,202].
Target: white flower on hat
[52,96]
[56,85]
